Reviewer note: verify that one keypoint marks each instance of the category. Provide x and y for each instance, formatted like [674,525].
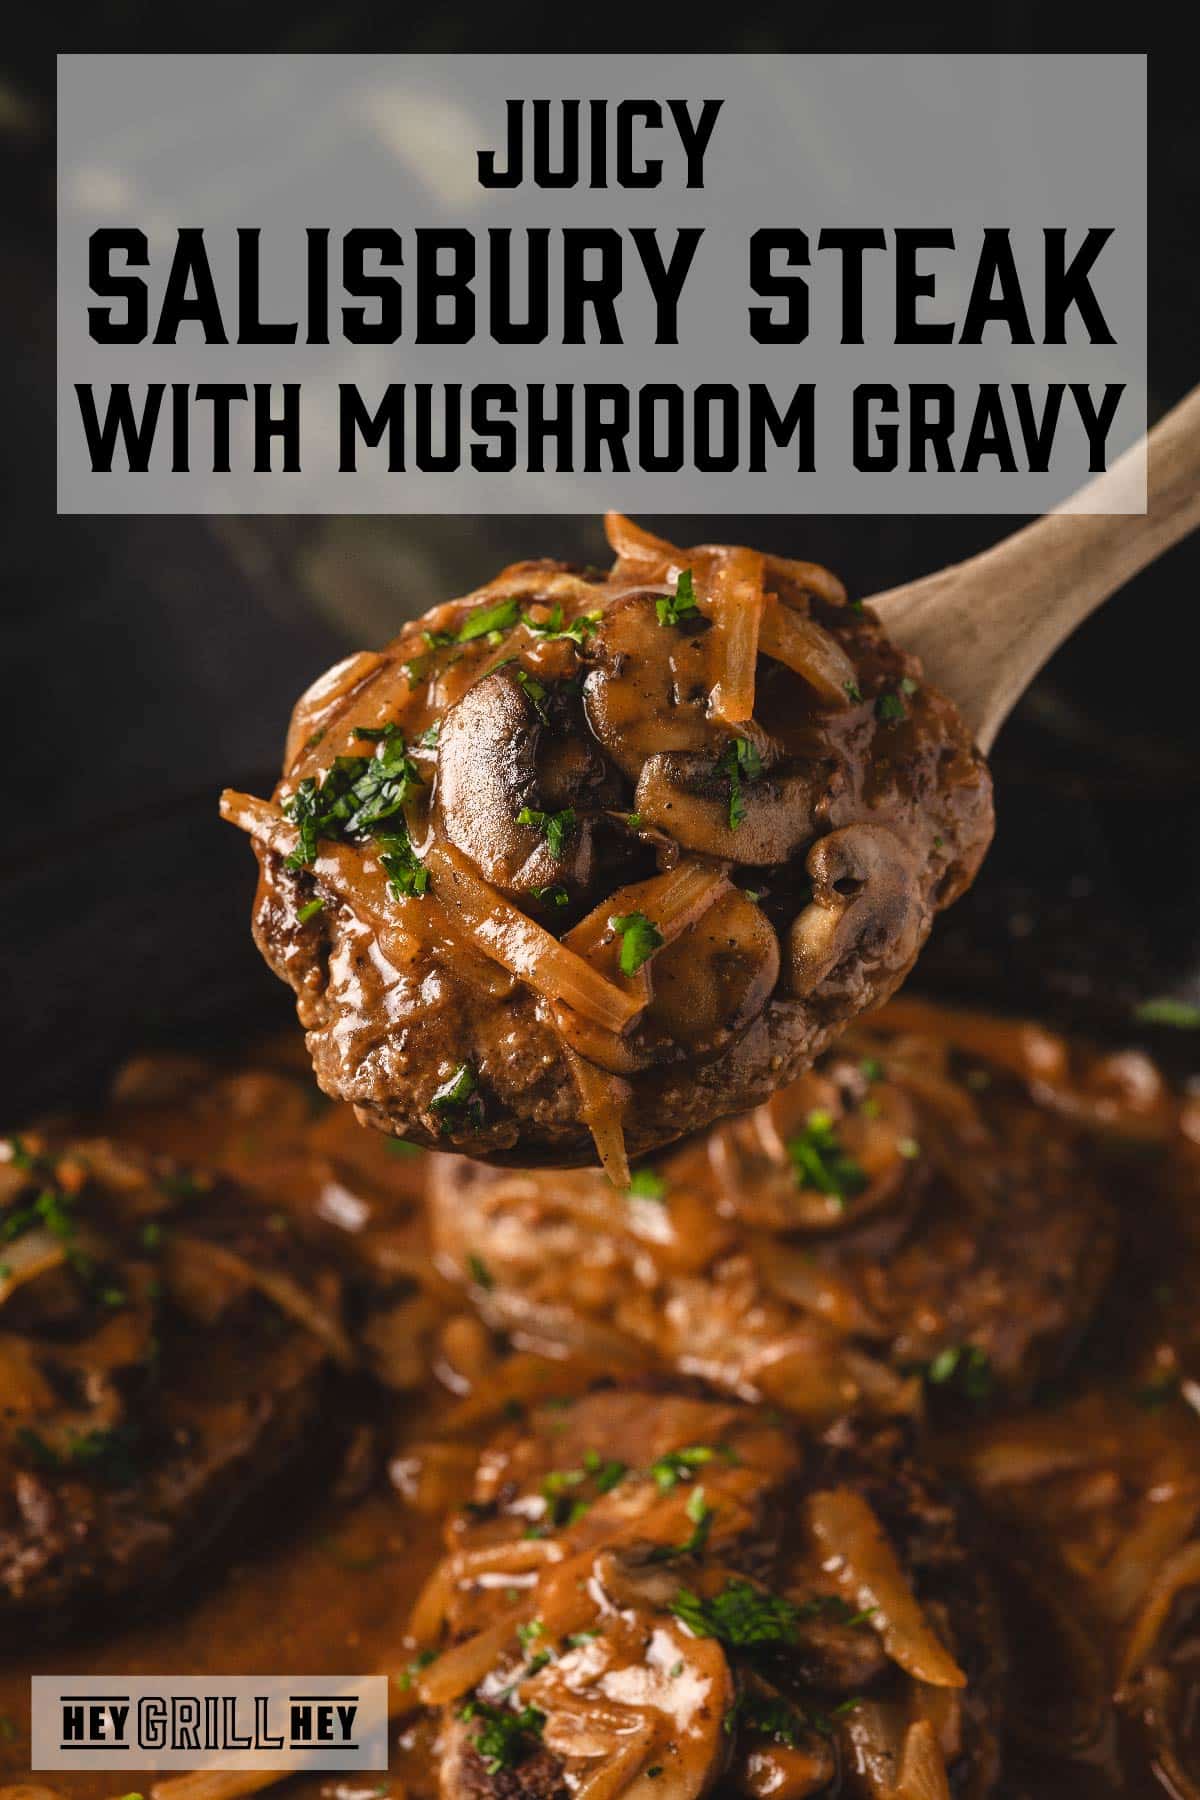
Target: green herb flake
[681,1465]
[741,1616]
[479,1272]
[506,1737]
[535,691]
[640,938]
[408,876]
[401,1147]
[701,1515]
[1179,1015]
[355,796]
[554,827]
[671,608]
[890,709]
[551,896]
[853,693]
[310,909]
[578,631]
[644,1184]
[406,1680]
[456,1097]
[486,619]
[820,1162]
[964,1369]
[739,763]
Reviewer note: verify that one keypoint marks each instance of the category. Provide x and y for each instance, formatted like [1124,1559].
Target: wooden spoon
[983,628]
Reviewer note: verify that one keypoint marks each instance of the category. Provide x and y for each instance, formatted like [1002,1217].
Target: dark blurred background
[149,662]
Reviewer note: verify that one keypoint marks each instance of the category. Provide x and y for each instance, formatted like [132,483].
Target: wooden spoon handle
[983,628]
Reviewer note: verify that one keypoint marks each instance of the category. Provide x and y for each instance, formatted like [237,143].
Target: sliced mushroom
[649,689]
[866,899]
[498,758]
[711,982]
[690,796]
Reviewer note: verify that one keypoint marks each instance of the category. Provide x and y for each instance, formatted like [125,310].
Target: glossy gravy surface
[1089,1493]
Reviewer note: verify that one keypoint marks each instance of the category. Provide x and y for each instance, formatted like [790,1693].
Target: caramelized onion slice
[34,1253]
[808,650]
[189,1258]
[631,544]
[1178,1574]
[922,1766]
[602,1101]
[524,947]
[736,610]
[855,1551]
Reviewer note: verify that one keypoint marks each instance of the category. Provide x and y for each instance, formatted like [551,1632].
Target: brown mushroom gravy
[578,864]
[918,1514]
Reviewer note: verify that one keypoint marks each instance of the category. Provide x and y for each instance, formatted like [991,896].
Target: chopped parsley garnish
[782,1720]
[908,686]
[681,1465]
[357,794]
[741,1616]
[1180,1015]
[644,1184]
[559,1485]
[551,896]
[529,1631]
[486,619]
[554,827]
[456,1098]
[853,692]
[505,1737]
[406,1679]
[408,876]
[535,691]
[739,763]
[871,1069]
[639,940]
[579,630]
[890,709]
[479,1272]
[964,1369]
[671,608]
[819,1161]
[402,1147]
[701,1515]
[105,1454]
[310,910]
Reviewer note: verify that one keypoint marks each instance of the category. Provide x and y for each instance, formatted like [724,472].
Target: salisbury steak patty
[162,1353]
[578,862]
[898,1212]
[665,1593]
